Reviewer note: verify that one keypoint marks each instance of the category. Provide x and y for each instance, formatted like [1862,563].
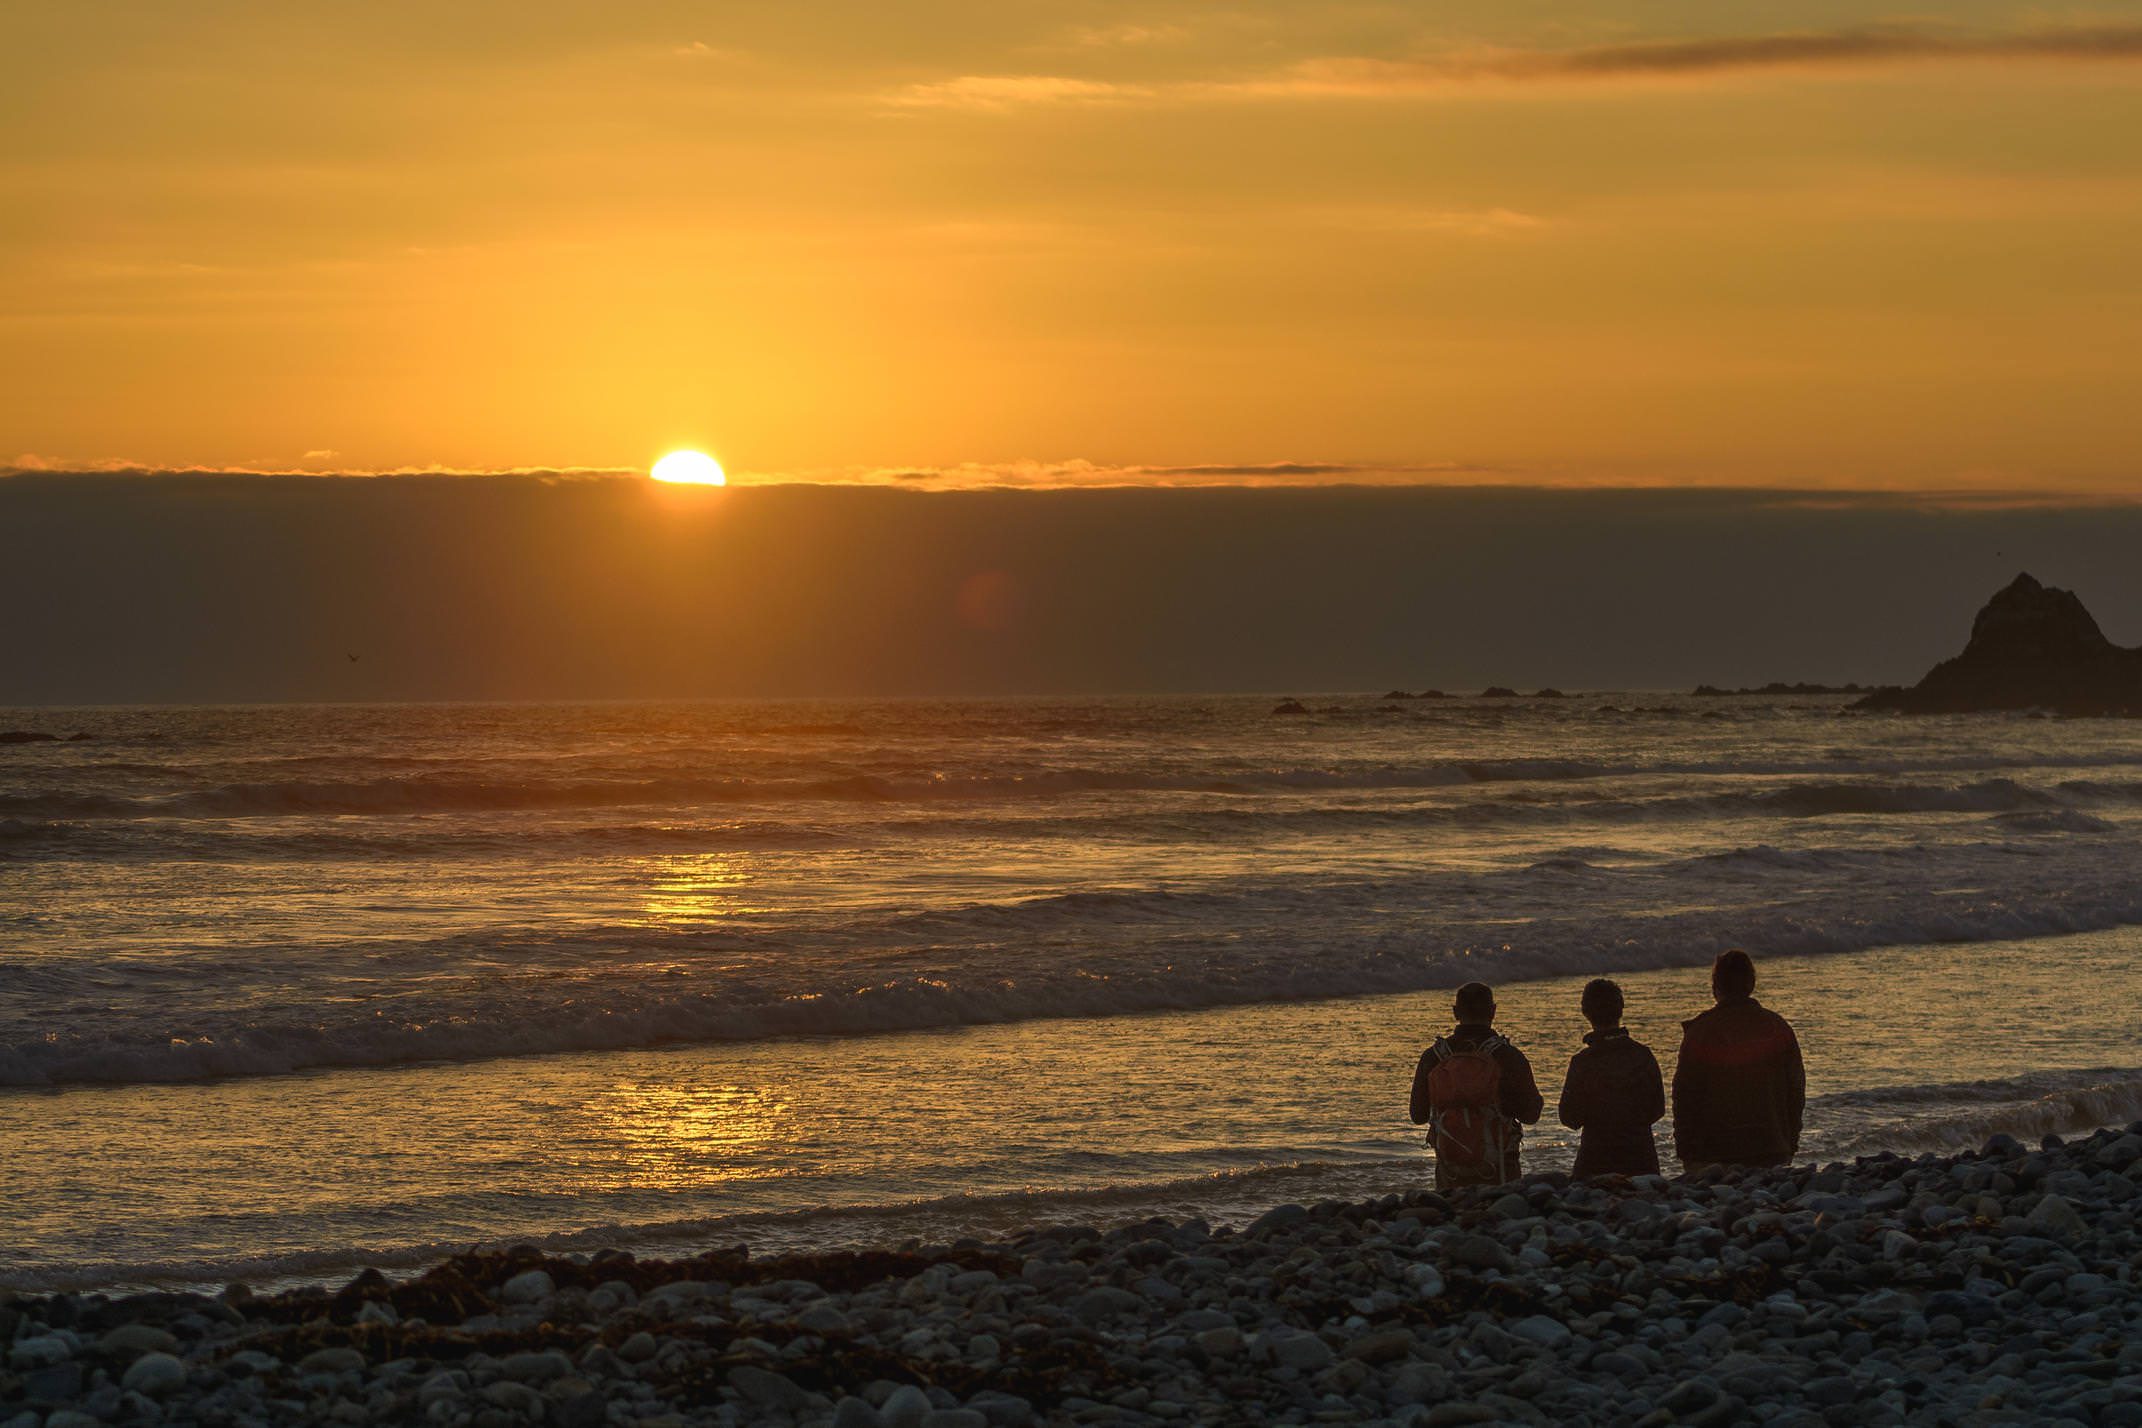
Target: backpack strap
[1490,1044]
[1442,1050]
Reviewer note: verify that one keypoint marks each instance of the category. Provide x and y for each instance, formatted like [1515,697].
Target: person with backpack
[1613,1093]
[1741,1087]
[1475,1093]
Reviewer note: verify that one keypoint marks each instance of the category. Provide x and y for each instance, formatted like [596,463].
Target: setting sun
[690,468]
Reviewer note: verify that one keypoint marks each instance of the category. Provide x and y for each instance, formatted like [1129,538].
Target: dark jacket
[1519,1094]
[1614,1094]
[1740,1089]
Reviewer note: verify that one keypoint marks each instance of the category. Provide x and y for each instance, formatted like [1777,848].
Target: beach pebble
[513,1397]
[39,1351]
[531,1286]
[332,1361]
[131,1341]
[1106,1302]
[154,1375]
[906,1407]
[1294,1349]
[766,1389]
[2055,1217]
[854,1412]
[1539,1329]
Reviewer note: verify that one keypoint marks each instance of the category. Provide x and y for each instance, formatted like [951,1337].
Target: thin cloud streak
[1366,77]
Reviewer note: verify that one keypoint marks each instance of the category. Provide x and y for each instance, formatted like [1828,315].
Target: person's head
[1474,1004]
[1732,976]
[1602,1004]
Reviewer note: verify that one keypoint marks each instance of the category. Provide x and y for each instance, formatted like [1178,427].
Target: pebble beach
[1999,1286]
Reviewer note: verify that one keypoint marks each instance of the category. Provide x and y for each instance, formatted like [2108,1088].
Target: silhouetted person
[1614,1093]
[1740,1089]
[1474,1091]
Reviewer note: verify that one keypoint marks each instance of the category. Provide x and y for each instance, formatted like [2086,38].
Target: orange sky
[1061,243]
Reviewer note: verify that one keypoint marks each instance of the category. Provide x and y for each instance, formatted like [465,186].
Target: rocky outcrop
[2032,647]
[1779,686]
[27,736]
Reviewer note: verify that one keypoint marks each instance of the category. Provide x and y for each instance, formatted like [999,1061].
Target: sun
[690,468]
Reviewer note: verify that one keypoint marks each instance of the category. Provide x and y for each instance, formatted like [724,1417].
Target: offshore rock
[2032,647]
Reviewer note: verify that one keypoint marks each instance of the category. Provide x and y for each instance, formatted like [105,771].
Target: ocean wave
[1864,791]
[481,996]
[131,831]
[1223,1196]
[1959,1116]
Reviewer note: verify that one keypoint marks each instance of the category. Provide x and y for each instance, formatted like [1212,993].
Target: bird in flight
[352,658]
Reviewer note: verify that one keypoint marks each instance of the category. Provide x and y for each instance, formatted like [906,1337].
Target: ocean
[285,991]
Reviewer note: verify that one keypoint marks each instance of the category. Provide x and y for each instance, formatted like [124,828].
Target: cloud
[1125,35]
[1081,474]
[1460,71]
[994,93]
[30,464]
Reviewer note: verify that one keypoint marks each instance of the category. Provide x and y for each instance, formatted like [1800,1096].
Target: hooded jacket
[1740,1088]
[1613,1094]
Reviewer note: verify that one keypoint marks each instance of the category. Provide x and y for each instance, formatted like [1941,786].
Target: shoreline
[1999,1285]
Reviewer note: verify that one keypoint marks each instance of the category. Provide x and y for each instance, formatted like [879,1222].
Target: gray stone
[905,1407]
[54,1383]
[1278,1216]
[514,1398]
[955,1418]
[1478,1252]
[856,1413]
[131,1341]
[587,1408]
[1003,1410]
[535,1367]
[2055,1218]
[1106,1302]
[39,1350]
[1297,1350]
[154,1375]
[1220,1343]
[528,1287]
[1539,1329]
[332,1361]
[766,1389]
[638,1348]
[1380,1346]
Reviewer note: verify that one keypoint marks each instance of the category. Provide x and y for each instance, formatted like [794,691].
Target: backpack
[1468,1129]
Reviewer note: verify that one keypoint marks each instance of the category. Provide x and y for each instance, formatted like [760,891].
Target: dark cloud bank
[206,588]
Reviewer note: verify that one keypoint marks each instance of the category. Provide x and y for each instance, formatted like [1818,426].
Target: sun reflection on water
[676,1136]
[694,888]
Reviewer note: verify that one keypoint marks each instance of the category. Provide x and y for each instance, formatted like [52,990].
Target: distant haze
[154,588]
